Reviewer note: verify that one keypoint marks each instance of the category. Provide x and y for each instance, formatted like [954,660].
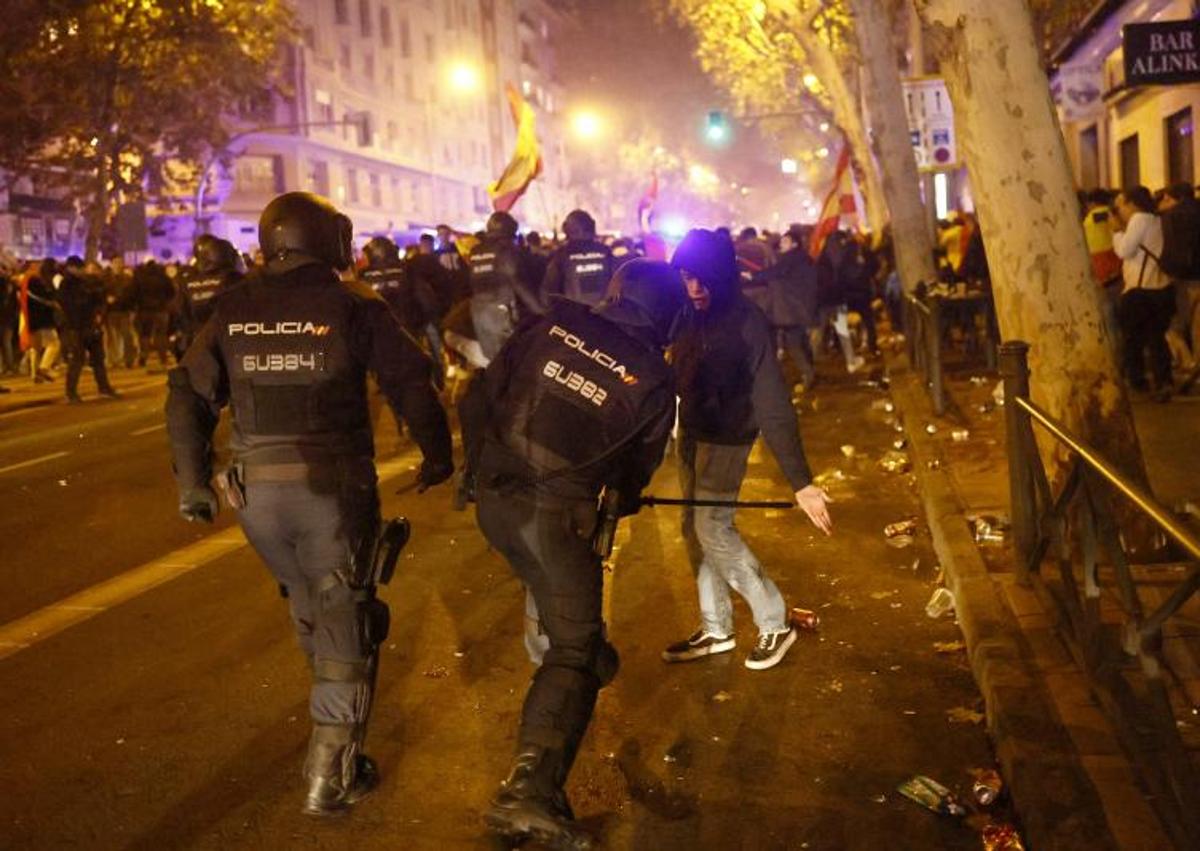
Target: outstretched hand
[814,502]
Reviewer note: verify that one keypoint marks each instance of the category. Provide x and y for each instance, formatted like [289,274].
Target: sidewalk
[1015,637]
[26,394]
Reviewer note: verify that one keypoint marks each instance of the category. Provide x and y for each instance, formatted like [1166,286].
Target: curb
[1056,799]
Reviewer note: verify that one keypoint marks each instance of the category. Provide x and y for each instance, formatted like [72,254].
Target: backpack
[1181,242]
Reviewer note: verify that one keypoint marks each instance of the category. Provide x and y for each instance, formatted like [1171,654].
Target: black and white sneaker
[700,643]
[770,650]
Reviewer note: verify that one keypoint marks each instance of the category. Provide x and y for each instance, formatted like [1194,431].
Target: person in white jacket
[1147,297]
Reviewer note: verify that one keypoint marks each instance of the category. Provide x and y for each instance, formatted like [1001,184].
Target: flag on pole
[645,207]
[526,162]
[839,202]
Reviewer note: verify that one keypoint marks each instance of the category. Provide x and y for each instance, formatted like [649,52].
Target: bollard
[1022,454]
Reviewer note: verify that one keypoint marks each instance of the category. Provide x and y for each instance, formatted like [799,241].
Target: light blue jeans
[720,558]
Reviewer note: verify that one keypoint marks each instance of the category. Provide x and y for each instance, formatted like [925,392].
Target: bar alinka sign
[1162,52]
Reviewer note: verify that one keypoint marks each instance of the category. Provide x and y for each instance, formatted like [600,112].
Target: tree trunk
[1041,274]
[884,97]
[848,116]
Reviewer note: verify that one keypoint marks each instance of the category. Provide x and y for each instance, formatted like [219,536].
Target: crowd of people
[60,316]
[1145,252]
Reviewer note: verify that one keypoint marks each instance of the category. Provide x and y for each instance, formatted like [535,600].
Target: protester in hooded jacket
[730,388]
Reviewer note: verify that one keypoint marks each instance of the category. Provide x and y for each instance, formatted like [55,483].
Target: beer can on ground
[805,620]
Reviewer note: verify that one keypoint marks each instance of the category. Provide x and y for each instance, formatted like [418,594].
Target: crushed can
[900,527]
[1001,837]
[804,620]
[986,786]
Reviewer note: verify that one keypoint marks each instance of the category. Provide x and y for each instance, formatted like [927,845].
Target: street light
[788,166]
[464,77]
[811,81]
[587,125]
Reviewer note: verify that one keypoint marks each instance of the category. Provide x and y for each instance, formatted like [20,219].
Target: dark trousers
[1144,316]
[795,341]
[306,533]
[549,549]
[81,345]
[153,328]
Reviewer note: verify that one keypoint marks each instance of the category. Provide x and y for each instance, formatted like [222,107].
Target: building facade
[1119,135]
[397,114]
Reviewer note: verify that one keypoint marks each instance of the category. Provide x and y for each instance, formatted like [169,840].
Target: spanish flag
[526,162]
[839,202]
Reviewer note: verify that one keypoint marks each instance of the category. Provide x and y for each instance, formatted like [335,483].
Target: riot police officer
[216,269]
[410,296]
[288,351]
[576,400]
[501,292]
[582,268]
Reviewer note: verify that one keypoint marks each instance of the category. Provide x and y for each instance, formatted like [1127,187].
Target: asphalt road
[177,719]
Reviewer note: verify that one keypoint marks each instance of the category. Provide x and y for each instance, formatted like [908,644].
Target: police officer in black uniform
[289,351]
[217,268]
[578,400]
[582,268]
[501,292]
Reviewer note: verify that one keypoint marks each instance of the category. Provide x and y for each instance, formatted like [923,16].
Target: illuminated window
[385,26]
[1180,158]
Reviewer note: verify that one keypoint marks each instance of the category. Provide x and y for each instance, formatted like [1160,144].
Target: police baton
[718,503]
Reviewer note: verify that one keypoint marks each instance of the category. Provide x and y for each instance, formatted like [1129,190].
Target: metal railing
[1077,531]
[923,332]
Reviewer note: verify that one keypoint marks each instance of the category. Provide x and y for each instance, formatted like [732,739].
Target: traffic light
[717,130]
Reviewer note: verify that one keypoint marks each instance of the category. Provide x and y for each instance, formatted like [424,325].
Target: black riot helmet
[579,225]
[299,228]
[501,225]
[214,254]
[645,294]
[381,253]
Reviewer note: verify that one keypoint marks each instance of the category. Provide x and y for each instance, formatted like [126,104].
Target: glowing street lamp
[788,166]
[464,77]
[587,125]
[811,81]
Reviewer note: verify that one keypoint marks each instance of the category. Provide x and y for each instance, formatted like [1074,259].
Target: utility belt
[373,556]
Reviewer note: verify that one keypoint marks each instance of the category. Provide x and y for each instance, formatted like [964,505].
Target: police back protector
[578,389]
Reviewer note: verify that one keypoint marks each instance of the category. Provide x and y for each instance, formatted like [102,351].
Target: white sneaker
[699,643]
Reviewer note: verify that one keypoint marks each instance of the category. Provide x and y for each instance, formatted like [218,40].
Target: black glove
[433,474]
[199,503]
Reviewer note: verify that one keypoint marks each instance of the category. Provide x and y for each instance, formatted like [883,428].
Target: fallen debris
[941,603]
[931,795]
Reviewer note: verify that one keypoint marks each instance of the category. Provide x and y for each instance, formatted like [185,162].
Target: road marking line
[147,430]
[33,461]
[53,619]
[50,620]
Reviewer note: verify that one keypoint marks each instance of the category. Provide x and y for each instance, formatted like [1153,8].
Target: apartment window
[1131,166]
[409,92]
[352,184]
[1180,153]
[341,11]
[429,45]
[317,177]
[389,77]
[1089,158]
[259,175]
[376,186]
[391,135]
[405,38]
[369,65]
[385,26]
[323,106]
[364,18]
[344,56]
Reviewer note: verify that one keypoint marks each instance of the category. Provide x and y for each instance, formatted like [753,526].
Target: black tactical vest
[587,268]
[578,387]
[493,268]
[199,291]
[388,282]
[292,378]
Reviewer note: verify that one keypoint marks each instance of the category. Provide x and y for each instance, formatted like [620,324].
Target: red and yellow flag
[526,162]
[839,202]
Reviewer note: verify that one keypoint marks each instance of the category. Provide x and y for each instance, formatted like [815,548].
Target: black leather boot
[338,774]
[531,804]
